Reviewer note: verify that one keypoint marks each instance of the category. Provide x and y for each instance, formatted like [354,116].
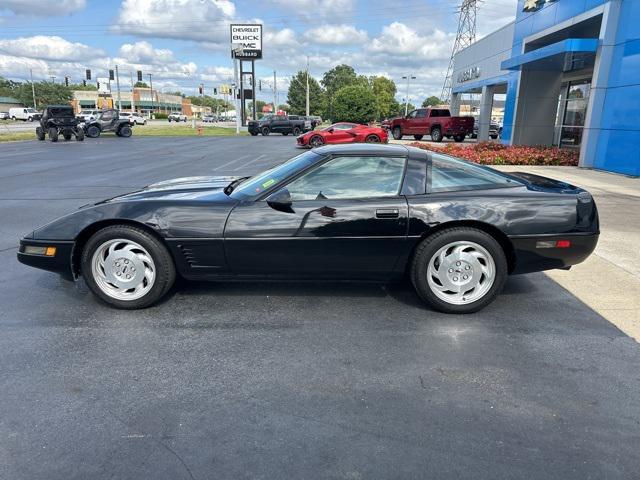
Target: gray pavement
[288,381]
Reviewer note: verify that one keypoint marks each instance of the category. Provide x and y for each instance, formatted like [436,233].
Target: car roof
[363,149]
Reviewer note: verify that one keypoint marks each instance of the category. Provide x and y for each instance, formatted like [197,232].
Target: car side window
[413,114]
[107,116]
[350,177]
[421,113]
[449,174]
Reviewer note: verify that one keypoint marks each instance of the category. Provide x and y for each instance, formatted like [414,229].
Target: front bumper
[532,257]
[59,263]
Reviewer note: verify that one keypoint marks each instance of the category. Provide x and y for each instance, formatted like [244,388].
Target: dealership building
[569,71]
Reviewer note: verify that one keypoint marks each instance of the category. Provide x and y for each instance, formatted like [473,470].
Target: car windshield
[31,110]
[265,180]
[61,112]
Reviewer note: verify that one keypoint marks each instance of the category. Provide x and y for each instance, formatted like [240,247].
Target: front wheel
[125,131]
[436,135]
[40,134]
[296,131]
[79,135]
[459,270]
[397,133]
[93,132]
[372,139]
[285,133]
[265,131]
[53,134]
[127,267]
[459,138]
[316,141]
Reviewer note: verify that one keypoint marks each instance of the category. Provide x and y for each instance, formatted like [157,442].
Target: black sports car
[351,212]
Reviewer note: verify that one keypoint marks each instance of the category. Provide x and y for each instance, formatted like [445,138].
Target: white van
[26,114]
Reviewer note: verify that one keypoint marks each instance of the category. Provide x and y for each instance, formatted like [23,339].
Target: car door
[421,125]
[346,220]
[340,133]
[410,123]
[106,119]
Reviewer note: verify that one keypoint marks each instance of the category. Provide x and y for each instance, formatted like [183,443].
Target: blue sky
[186,42]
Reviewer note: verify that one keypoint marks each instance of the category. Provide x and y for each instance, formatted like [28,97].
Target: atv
[59,119]
[108,121]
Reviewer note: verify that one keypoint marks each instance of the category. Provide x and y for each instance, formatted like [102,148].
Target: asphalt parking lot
[307,381]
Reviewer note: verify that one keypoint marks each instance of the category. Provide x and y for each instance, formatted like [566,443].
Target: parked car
[494,130]
[133,117]
[276,124]
[436,122]
[456,233]
[343,133]
[87,115]
[316,121]
[108,121]
[59,120]
[209,119]
[307,121]
[176,117]
[4,116]
[25,114]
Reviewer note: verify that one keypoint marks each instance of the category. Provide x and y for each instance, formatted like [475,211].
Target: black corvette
[351,212]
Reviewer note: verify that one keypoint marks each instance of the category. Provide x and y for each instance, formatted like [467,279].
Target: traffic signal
[88,74]
[98,85]
[66,81]
[215,91]
[260,85]
[111,76]
[139,75]
[84,83]
[201,89]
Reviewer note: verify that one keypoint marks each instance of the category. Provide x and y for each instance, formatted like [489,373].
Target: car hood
[185,188]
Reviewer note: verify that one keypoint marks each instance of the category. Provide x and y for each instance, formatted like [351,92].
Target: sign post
[246,44]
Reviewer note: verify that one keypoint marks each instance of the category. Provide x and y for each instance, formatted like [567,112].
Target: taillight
[553,244]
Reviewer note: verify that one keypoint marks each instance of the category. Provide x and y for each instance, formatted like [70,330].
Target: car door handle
[387,213]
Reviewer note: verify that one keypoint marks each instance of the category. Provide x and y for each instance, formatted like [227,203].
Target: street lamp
[408,78]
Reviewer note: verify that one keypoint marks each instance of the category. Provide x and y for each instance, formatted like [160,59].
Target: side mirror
[330,130]
[281,201]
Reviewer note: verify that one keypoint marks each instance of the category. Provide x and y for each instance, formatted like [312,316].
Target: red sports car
[343,132]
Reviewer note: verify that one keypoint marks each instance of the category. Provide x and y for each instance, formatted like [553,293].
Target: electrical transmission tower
[465,36]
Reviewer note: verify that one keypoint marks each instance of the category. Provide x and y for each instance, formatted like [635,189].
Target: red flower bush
[493,153]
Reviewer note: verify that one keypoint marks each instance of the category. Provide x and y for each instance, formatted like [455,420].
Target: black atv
[59,119]
[108,121]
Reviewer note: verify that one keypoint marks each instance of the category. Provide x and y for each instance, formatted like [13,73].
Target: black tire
[372,139]
[285,133]
[418,137]
[80,135]
[185,120]
[53,134]
[459,138]
[494,137]
[265,131]
[254,134]
[165,268]
[296,131]
[125,131]
[13,118]
[316,141]
[436,134]
[397,133]
[430,246]
[66,136]
[40,134]
[92,131]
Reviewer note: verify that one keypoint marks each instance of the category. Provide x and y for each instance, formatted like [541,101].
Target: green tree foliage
[432,101]
[141,85]
[284,107]
[384,90]
[209,101]
[47,93]
[297,99]
[336,79]
[354,103]
[89,87]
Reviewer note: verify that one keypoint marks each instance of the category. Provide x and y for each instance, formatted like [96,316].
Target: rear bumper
[533,253]
[59,263]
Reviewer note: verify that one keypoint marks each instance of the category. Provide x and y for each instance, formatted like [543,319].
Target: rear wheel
[285,133]
[80,135]
[296,131]
[265,131]
[397,133]
[459,138]
[372,139]
[127,267]
[53,134]
[93,132]
[316,141]
[459,270]
[254,134]
[40,134]
[125,131]
[418,137]
[436,134]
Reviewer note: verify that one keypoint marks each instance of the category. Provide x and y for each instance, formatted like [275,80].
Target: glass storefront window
[575,114]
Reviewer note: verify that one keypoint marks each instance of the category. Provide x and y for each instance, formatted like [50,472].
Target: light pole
[408,78]
[307,104]
[33,88]
[153,103]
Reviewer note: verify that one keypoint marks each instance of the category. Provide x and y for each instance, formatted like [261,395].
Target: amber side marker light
[554,244]
[44,251]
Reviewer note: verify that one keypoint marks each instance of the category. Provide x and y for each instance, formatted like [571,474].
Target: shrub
[492,153]
[161,116]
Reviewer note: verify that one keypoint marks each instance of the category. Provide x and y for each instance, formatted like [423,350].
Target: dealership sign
[469,74]
[535,5]
[249,37]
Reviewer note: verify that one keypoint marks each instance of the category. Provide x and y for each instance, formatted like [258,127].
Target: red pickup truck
[436,122]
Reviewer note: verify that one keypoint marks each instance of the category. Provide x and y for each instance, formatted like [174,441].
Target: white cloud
[143,52]
[280,38]
[204,20]
[336,35]
[312,10]
[42,8]
[399,39]
[49,48]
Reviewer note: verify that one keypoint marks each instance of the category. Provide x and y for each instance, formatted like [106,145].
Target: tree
[141,85]
[284,107]
[432,101]
[336,79]
[89,87]
[354,103]
[47,93]
[297,96]
[401,108]
[384,90]
[208,101]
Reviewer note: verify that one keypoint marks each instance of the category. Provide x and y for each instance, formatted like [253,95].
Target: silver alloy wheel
[123,269]
[316,141]
[461,272]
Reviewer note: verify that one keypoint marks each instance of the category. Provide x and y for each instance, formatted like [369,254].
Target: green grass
[182,131]
[17,136]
